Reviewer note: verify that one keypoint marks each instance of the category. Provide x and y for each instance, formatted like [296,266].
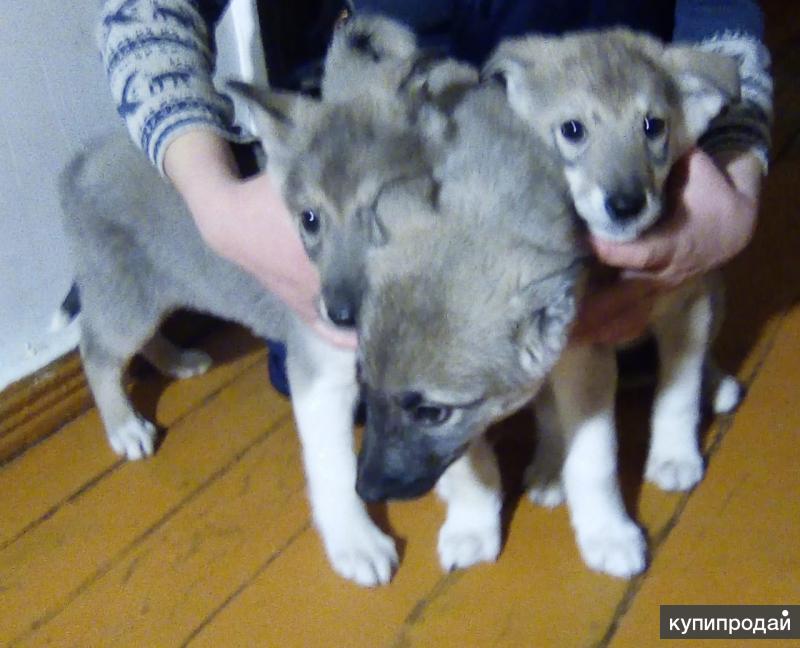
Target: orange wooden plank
[83,539]
[738,536]
[161,590]
[55,469]
[299,601]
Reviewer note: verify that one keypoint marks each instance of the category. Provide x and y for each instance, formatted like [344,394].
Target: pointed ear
[544,329]
[442,83]
[404,205]
[369,56]
[520,65]
[513,75]
[279,117]
[707,82]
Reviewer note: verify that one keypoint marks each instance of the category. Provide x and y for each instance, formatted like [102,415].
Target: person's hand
[247,222]
[712,215]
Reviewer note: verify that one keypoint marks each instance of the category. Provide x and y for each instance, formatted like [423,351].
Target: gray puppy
[139,256]
[466,310]
[618,109]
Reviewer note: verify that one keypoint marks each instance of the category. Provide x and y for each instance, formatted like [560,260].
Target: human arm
[247,222]
[159,58]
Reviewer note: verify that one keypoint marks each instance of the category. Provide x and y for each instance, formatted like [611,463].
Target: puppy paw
[190,362]
[359,551]
[618,549]
[728,395]
[549,495]
[134,439]
[675,473]
[466,540]
[543,480]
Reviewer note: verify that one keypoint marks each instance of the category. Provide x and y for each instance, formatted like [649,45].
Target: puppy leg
[584,380]
[129,434]
[472,490]
[543,475]
[324,391]
[173,361]
[674,462]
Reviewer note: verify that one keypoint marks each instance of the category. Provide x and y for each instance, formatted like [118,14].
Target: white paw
[134,439]
[543,479]
[465,540]
[192,362]
[359,551]
[675,473]
[618,549]
[549,495]
[728,396]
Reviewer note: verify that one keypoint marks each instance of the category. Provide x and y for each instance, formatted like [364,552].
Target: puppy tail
[70,309]
[726,391]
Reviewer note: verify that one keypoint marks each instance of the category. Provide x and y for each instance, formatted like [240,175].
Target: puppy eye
[310,221]
[573,131]
[431,415]
[653,127]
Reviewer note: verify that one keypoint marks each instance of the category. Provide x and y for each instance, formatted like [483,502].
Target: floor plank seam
[417,613]
[90,406]
[84,488]
[724,425]
[109,564]
[96,479]
[246,584]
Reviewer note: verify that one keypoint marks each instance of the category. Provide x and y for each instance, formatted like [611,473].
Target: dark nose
[386,487]
[623,206]
[342,314]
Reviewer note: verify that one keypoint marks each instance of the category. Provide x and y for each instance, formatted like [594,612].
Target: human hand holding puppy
[247,222]
[714,208]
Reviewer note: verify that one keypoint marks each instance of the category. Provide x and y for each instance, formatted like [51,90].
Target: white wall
[53,97]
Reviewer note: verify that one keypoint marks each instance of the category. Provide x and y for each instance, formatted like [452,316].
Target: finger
[339,337]
[652,251]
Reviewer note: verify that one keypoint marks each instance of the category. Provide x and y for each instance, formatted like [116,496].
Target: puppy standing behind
[139,256]
[619,109]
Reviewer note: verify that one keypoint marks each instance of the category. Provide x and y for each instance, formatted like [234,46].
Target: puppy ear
[279,117]
[544,330]
[441,83]
[404,205]
[707,82]
[519,64]
[369,56]
[513,75]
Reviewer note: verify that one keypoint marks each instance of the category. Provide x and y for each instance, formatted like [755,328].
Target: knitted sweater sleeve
[159,59]
[734,28]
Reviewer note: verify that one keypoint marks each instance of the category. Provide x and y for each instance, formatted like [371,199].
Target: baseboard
[35,407]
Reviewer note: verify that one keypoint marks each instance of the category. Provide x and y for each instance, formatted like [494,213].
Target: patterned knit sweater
[159,56]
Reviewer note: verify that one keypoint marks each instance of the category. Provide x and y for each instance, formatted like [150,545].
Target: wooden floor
[209,542]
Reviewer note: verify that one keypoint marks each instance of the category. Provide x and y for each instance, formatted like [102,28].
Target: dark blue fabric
[276,366]
[696,20]
[470,29]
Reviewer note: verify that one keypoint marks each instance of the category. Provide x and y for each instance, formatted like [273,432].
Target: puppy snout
[379,488]
[626,205]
